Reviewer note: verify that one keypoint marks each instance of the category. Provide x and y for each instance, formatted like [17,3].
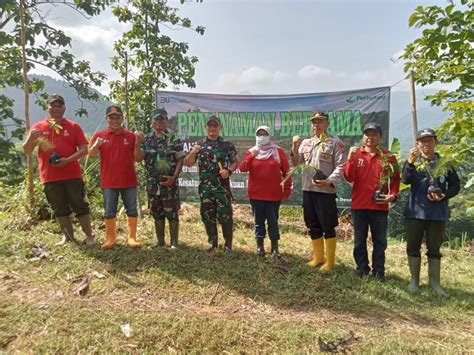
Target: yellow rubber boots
[318,252]
[132,232]
[330,254]
[111,233]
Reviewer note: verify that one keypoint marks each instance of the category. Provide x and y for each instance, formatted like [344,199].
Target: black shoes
[260,247]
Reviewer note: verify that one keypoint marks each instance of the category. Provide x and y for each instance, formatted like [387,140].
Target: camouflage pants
[216,204]
[166,205]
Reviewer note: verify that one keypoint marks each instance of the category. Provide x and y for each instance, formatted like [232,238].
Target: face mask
[262,140]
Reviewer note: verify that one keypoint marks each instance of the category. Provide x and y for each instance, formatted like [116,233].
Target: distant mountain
[96,110]
[401,118]
[400,110]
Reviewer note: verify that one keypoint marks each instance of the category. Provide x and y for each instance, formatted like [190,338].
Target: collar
[110,131]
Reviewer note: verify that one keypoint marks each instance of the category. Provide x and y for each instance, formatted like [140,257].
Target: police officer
[323,158]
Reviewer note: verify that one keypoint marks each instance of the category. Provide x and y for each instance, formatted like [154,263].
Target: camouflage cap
[214,118]
[159,112]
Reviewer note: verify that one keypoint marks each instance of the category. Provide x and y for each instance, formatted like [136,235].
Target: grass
[192,301]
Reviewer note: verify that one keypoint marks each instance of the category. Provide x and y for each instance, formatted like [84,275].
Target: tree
[158,59]
[44,46]
[444,54]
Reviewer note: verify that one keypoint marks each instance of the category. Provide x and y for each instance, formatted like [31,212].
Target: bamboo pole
[413,106]
[26,89]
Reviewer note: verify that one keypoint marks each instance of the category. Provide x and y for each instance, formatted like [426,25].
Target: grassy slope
[193,301]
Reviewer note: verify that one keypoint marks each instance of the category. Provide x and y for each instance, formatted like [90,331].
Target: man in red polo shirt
[61,143]
[117,175]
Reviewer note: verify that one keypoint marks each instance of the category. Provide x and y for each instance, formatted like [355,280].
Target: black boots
[160,232]
[227,233]
[211,231]
[275,251]
[174,232]
[260,247]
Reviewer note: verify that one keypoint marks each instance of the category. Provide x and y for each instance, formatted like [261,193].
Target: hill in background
[400,110]
[96,110]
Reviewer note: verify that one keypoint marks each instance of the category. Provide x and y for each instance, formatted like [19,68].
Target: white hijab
[265,151]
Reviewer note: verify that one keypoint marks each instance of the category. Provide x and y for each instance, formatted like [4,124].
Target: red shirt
[265,177]
[117,162]
[65,143]
[364,170]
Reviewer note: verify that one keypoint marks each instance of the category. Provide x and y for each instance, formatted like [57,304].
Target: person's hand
[322,183]
[139,137]
[352,151]
[435,197]
[170,181]
[384,199]
[61,162]
[98,142]
[225,174]
[35,134]
[412,155]
[253,151]
[196,149]
[295,141]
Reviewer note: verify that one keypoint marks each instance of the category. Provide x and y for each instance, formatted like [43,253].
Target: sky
[272,46]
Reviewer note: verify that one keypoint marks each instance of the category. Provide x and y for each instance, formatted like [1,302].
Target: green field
[192,301]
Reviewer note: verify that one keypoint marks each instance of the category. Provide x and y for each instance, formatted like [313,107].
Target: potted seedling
[435,169]
[318,174]
[389,167]
[163,167]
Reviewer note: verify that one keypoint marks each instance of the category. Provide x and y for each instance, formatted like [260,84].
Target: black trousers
[320,214]
[416,229]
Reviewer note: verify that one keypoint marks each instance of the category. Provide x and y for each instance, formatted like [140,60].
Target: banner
[286,115]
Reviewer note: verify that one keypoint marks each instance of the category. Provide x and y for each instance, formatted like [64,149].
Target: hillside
[400,113]
[89,124]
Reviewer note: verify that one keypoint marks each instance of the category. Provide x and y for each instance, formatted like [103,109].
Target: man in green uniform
[163,155]
[217,159]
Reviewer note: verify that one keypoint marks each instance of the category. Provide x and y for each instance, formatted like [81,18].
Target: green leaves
[48,47]
[159,61]
[444,54]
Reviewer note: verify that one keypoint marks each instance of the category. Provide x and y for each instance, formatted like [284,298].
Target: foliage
[434,168]
[389,163]
[159,60]
[444,54]
[47,47]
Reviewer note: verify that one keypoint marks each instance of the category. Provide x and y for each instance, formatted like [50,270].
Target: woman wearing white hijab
[267,166]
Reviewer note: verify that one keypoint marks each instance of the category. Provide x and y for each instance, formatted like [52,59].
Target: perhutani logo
[353,98]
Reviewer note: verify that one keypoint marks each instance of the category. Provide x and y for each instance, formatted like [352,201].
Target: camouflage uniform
[161,157]
[214,191]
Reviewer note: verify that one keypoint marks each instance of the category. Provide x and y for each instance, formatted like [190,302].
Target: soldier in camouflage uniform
[163,155]
[217,159]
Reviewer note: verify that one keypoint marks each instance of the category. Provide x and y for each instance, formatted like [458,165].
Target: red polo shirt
[117,162]
[65,143]
[363,170]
